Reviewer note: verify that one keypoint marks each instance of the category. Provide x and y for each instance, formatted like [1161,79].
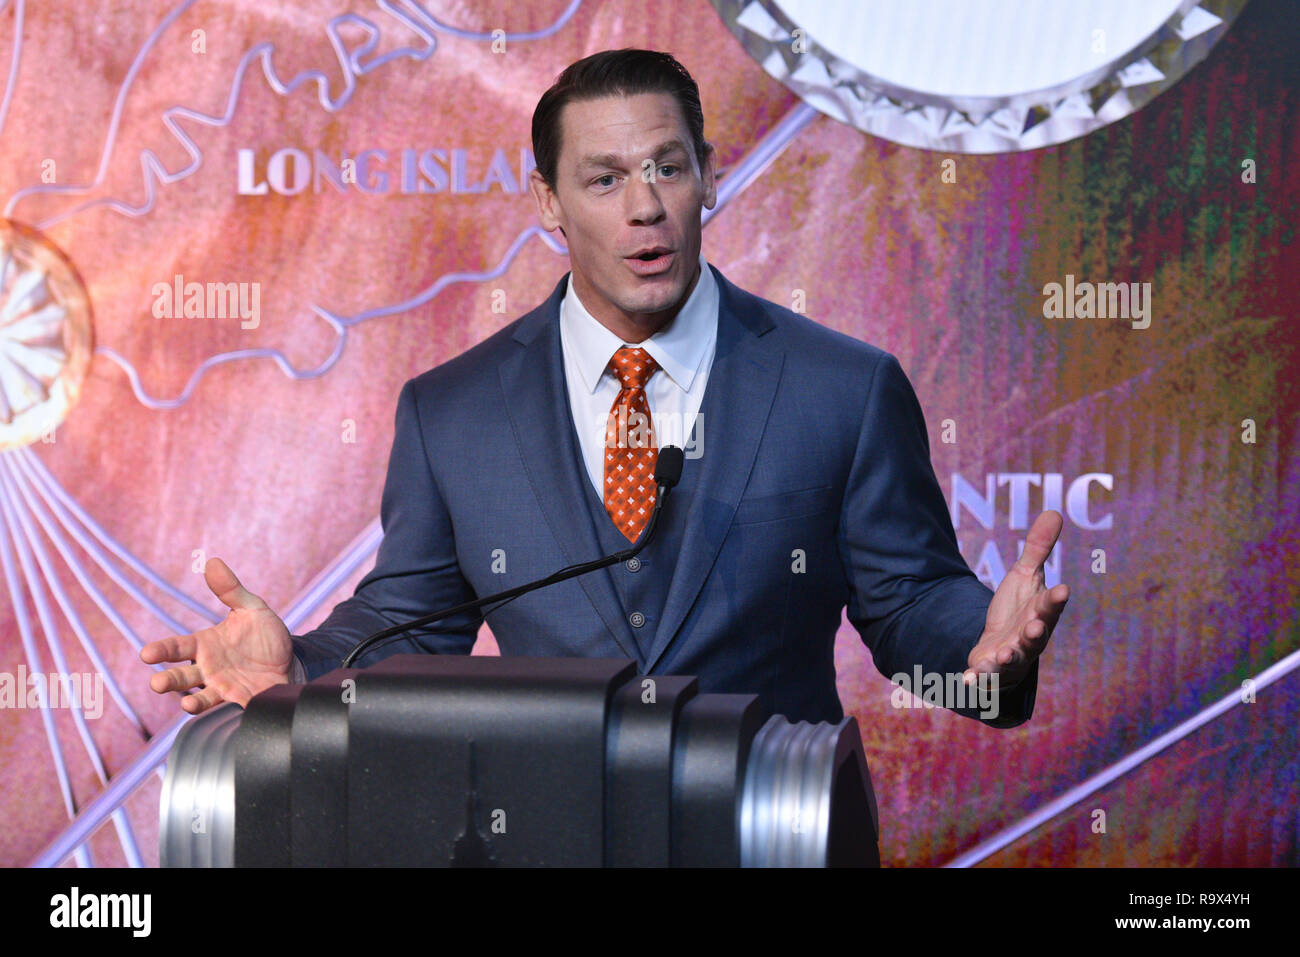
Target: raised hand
[1023,612]
[232,661]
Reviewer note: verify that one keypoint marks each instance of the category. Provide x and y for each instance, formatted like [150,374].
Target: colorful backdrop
[155,144]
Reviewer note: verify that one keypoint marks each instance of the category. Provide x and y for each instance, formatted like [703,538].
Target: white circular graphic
[45,336]
[978,76]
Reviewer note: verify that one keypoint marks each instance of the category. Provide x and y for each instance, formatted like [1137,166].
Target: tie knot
[633,366]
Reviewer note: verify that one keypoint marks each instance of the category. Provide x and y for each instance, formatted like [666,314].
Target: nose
[642,199]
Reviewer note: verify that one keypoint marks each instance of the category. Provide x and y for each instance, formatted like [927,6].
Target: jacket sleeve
[913,598]
[415,572]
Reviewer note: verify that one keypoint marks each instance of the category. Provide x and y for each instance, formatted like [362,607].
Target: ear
[549,210]
[709,175]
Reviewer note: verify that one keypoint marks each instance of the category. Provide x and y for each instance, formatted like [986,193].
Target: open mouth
[650,262]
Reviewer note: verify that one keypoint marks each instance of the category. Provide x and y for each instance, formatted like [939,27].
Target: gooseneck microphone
[668,472]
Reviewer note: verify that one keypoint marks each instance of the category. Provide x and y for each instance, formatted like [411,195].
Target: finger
[175,648]
[1033,635]
[1004,679]
[176,679]
[1007,675]
[1041,540]
[995,662]
[223,583]
[1049,603]
[201,701]
[1010,659]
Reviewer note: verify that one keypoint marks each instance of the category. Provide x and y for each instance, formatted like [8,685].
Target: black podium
[426,760]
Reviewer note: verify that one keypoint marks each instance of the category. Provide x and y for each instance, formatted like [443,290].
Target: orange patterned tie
[630,447]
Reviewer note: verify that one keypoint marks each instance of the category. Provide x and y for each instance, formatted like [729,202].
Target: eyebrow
[613,159]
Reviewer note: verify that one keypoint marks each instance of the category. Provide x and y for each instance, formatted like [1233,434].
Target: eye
[672,170]
[600,180]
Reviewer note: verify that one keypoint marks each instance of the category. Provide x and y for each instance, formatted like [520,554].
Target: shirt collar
[679,348]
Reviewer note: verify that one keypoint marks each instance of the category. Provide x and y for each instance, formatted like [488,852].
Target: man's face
[628,194]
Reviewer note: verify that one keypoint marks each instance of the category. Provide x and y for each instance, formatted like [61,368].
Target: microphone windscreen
[668,466]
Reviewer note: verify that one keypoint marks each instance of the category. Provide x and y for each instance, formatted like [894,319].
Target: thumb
[1040,541]
[223,583]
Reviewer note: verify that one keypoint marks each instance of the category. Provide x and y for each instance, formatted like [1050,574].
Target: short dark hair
[625,72]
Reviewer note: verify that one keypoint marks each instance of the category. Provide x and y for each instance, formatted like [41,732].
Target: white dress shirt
[684,350]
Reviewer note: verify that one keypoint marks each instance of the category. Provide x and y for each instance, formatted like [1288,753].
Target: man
[807,486]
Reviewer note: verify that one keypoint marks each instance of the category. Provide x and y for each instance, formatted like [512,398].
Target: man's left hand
[1023,612]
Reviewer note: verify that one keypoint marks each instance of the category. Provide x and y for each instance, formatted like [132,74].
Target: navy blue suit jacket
[814,491]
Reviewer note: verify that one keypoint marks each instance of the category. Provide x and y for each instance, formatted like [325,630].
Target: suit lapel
[537,402]
[738,398]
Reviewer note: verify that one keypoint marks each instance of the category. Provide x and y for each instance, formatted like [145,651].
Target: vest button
[637,619]
[633,564]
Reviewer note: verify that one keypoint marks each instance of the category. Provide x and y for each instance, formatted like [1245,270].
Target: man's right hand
[232,661]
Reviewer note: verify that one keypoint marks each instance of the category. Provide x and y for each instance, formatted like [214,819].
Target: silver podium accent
[196,815]
[792,779]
